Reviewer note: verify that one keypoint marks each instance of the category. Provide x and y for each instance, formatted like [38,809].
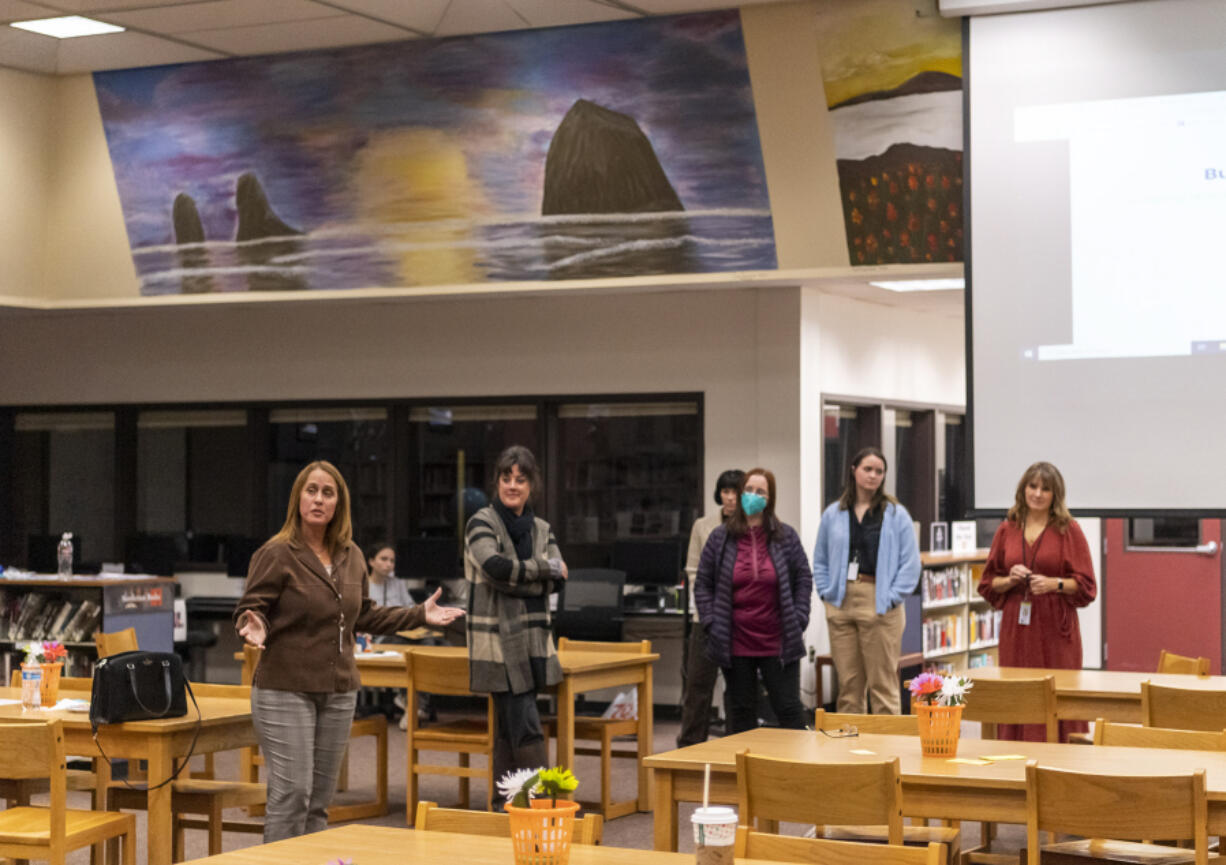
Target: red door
[1162,599]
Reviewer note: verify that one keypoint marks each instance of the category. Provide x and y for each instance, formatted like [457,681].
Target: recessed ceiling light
[67,27]
[921,284]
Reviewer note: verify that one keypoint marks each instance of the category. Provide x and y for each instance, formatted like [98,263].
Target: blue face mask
[752,504]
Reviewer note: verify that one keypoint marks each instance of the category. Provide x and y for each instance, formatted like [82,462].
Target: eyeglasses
[841,733]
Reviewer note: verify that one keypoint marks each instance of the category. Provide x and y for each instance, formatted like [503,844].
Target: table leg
[160,836]
[566,724]
[665,823]
[645,737]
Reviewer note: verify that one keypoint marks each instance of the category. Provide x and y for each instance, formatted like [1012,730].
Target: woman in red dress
[1038,572]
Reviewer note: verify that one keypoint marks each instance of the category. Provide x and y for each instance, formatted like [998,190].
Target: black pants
[782,683]
[519,741]
[701,674]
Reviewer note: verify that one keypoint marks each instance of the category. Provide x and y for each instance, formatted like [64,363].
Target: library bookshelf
[960,628]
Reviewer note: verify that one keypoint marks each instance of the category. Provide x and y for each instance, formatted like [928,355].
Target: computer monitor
[656,562]
[155,553]
[428,558]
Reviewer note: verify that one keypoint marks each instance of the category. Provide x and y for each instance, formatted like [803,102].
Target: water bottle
[63,554]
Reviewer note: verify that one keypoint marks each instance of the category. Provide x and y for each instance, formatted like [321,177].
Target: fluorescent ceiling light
[67,27]
[921,284]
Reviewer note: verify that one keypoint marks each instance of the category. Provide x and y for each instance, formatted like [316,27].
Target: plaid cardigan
[510,645]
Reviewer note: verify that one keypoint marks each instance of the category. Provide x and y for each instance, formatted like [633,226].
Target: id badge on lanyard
[1023,610]
[1023,613]
[853,567]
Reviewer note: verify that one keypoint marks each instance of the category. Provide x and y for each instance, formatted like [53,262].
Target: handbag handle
[136,692]
[191,749]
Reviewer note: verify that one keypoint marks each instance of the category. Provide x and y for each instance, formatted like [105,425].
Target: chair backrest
[1182,708]
[115,642]
[1169,662]
[1014,701]
[1132,736]
[820,793]
[789,848]
[592,604]
[1129,807]
[588,828]
[643,647]
[67,683]
[36,750]
[888,725]
[436,672]
[251,659]
[211,689]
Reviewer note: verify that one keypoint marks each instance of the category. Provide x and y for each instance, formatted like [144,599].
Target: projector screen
[1096,277]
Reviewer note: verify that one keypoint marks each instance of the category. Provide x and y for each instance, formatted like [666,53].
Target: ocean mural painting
[613,149]
[893,82]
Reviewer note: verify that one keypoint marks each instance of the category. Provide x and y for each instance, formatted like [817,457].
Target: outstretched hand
[251,629]
[439,616]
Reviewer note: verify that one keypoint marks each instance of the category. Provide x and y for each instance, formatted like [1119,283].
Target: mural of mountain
[924,82]
[186,218]
[600,161]
[256,219]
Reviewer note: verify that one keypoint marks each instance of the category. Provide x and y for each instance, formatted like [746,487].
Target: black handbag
[141,686]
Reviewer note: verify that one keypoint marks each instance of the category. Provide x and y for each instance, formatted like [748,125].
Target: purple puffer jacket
[713,592]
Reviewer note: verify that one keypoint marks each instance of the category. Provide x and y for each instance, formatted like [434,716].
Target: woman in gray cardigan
[511,560]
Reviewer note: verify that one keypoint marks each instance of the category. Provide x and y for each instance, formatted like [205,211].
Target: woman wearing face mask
[1038,572]
[511,561]
[865,563]
[753,591]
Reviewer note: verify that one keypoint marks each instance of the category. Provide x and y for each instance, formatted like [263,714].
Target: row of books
[944,632]
[984,626]
[946,584]
[40,616]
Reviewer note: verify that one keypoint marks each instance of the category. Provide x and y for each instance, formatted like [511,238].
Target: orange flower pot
[541,835]
[51,683]
[939,727]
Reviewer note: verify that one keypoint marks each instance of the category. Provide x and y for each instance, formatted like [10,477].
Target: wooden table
[226,724]
[1084,695]
[581,672]
[384,845]
[932,787]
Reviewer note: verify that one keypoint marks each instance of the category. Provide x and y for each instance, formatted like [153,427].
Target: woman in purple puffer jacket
[753,591]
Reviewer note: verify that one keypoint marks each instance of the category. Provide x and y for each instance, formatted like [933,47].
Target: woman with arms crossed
[511,560]
[1038,573]
[865,563]
[753,591]
[306,594]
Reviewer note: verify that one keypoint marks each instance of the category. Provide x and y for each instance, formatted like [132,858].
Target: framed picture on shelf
[938,538]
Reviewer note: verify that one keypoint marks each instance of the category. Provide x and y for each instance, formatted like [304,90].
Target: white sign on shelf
[963,533]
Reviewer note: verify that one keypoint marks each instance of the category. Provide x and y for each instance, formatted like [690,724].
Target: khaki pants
[865,649]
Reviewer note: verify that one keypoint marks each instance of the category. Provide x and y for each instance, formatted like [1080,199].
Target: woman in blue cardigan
[865,563]
[753,589]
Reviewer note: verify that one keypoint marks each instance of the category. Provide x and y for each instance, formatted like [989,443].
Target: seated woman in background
[1039,572]
[753,590]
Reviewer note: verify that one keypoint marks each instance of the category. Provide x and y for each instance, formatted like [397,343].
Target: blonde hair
[340,528]
[1050,477]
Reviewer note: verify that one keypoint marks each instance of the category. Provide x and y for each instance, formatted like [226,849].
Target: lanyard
[1035,555]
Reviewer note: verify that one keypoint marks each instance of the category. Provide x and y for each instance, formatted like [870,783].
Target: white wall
[26,130]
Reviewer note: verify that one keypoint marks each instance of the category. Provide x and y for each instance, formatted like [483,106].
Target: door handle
[1207,549]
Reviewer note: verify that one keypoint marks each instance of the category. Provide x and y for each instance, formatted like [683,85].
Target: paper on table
[10,702]
[864,751]
[377,654]
[969,761]
[994,757]
[67,705]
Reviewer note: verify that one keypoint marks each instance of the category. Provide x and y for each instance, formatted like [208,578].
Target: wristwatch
[1060,586]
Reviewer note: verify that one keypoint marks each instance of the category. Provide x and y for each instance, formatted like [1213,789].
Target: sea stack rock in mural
[186,217]
[256,219]
[600,161]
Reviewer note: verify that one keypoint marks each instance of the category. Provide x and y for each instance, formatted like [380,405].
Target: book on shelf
[984,625]
[945,584]
[942,634]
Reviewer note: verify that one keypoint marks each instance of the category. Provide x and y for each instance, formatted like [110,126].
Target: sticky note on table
[863,751]
[968,761]
[994,757]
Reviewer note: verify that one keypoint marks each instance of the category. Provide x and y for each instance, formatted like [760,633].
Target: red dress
[1053,638]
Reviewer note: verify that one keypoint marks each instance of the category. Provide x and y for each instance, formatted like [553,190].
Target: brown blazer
[311,617]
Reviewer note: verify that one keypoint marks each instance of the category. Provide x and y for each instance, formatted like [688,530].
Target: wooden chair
[786,848]
[1013,701]
[1169,662]
[887,725]
[1115,807]
[588,828]
[1182,708]
[115,642]
[605,730]
[844,799]
[17,791]
[36,750]
[203,799]
[445,674]
[1132,736]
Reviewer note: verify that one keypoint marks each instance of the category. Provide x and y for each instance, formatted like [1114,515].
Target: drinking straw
[706,785]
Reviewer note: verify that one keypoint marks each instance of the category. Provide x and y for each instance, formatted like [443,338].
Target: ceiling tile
[420,15]
[218,14]
[122,50]
[97,7]
[478,16]
[560,13]
[331,32]
[19,10]
[20,49]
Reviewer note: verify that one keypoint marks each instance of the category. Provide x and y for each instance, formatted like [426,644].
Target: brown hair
[738,523]
[1050,477]
[517,455]
[847,500]
[340,529]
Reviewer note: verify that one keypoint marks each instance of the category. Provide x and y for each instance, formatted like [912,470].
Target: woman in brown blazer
[306,594]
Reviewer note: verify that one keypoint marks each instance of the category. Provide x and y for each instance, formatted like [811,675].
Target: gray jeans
[303,738]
